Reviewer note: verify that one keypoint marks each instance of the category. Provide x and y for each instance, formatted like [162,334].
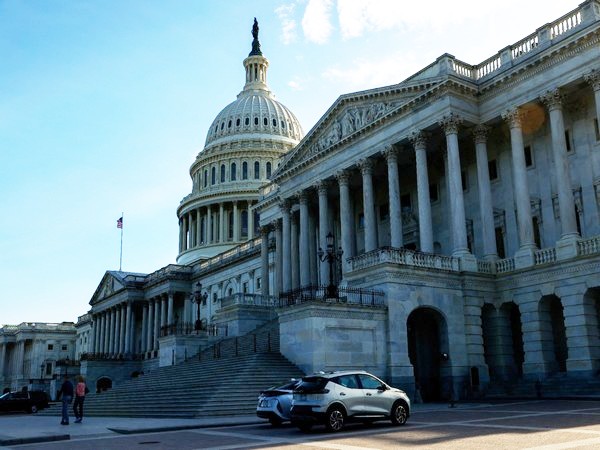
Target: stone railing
[588,246]
[588,12]
[404,257]
[346,295]
[230,255]
[545,256]
[170,271]
[249,300]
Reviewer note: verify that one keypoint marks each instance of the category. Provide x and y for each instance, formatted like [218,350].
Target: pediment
[352,114]
[107,287]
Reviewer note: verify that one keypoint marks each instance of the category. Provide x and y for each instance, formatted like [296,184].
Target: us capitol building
[442,233]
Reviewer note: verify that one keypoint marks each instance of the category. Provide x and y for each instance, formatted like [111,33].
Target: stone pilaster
[593,78]
[170,300]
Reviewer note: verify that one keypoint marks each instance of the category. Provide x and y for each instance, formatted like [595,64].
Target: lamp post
[198,297]
[331,256]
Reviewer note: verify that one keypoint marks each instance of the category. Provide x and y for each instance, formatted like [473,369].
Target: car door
[375,399]
[349,393]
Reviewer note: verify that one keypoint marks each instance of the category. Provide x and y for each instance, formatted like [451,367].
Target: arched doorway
[103,384]
[427,351]
[554,336]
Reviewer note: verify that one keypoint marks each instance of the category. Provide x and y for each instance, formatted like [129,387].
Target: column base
[467,262]
[566,246]
[525,257]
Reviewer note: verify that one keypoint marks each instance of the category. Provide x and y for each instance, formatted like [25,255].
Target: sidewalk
[20,429]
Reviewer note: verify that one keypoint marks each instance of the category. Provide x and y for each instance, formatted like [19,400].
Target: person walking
[66,394]
[80,391]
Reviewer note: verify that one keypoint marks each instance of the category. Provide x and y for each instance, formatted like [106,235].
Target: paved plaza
[539,425]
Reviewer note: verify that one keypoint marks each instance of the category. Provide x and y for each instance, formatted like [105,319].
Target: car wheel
[305,427]
[399,414]
[33,409]
[275,421]
[335,419]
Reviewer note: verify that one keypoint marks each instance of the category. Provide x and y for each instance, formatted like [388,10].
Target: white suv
[337,397]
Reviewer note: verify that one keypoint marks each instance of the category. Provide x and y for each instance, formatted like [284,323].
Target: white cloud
[316,22]
[288,23]
[295,85]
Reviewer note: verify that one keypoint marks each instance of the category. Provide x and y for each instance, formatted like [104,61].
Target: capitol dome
[243,147]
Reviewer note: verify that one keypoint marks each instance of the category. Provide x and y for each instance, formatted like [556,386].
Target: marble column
[250,221]
[521,188]
[180,235]
[486,209]
[264,261]
[198,227]
[117,346]
[2,358]
[278,258]
[191,229]
[157,315]
[163,311]
[236,222]
[343,179]
[102,348]
[185,232]
[593,78]
[122,308]
[450,124]
[304,253]
[294,252]
[286,266]
[366,169]
[566,204]
[145,327]
[112,328]
[96,326]
[323,229]
[170,309]
[419,142]
[221,222]
[312,250]
[128,328]
[396,237]
[209,233]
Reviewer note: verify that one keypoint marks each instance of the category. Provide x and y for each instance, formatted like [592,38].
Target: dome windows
[268,170]
[244,170]
[247,121]
[283,124]
[265,121]
[222,173]
[233,172]
[229,124]
[222,125]
[213,175]
[237,122]
[256,170]
[256,121]
[205,177]
[274,122]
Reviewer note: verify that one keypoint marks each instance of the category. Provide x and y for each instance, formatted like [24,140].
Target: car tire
[32,409]
[399,414]
[335,419]
[306,427]
[275,421]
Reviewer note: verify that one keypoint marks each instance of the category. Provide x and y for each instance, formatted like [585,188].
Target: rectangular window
[405,203]
[50,347]
[568,141]
[528,156]
[258,283]
[48,368]
[384,212]
[493,169]
[500,243]
[63,347]
[433,193]
[245,288]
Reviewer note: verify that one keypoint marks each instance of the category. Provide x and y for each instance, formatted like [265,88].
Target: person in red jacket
[80,391]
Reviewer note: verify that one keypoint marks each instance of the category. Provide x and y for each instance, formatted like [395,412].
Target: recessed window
[237,123]
[433,193]
[405,202]
[265,121]
[493,169]
[274,122]
[256,170]
[233,171]
[216,128]
[229,124]
[247,121]
[63,347]
[268,170]
[258,283]
[256,121]
[214,297]
[222,173]
[500,242]
[245,287]
[244,170]
[213,175]
[50,347]
[245,223]
[222,125]
[528,156]
[282,124]
[48,368]
[568,141]
[205,177]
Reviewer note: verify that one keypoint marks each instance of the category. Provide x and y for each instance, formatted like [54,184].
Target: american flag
[120,222]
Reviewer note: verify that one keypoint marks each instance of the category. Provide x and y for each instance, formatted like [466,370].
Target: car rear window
[311,384]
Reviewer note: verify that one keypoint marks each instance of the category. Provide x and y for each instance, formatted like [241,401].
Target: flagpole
[121,253]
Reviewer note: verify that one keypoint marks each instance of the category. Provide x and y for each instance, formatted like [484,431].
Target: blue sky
[104,105]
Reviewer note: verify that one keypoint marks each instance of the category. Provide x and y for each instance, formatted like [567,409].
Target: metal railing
[187,328]
[318,294]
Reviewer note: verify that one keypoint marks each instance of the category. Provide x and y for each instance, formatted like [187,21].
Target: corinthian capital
[552,99]
[322,187]
[480,133]
[302,197]
[418,139]
[284,205]
[390,153]
[366,166]
[450,123]
[593,78]
[513,117]
[343,176]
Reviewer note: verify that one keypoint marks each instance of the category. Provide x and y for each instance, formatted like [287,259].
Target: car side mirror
[382,387]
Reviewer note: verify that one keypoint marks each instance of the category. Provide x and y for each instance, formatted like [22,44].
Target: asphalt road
[533,425]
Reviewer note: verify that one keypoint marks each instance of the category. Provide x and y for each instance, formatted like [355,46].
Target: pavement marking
[564,445]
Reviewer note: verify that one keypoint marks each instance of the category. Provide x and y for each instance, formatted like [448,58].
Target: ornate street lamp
[331,256]
[198,298]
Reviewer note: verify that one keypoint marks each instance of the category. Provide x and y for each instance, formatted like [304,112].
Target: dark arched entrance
[427,349]
[554,336]
[103,384]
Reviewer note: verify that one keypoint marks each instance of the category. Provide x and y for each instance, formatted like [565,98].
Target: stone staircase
[559,385]
[224,379]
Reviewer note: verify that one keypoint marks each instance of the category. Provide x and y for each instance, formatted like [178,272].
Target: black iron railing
[348,295]
[111,356]
[187,328]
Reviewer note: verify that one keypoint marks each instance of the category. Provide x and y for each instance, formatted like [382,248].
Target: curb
[34,439]
[180,427]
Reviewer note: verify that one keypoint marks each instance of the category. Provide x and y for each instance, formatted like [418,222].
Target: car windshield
[311,384]
[4,396]
[287,387]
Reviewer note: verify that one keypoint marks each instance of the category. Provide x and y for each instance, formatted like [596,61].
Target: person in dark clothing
[66,394]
